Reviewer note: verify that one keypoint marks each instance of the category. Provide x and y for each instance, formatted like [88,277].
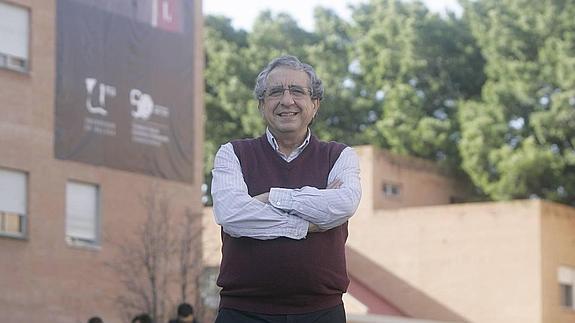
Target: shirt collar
[273,142]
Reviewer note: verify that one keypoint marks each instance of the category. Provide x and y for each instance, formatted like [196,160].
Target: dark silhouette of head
[142,318]
[185,310]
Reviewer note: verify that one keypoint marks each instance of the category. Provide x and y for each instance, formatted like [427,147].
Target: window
[566,277]
[567,295]
[82,214]
[391,190]
[13,203]
[14,32]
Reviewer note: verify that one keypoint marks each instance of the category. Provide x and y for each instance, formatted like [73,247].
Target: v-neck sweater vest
[284,276]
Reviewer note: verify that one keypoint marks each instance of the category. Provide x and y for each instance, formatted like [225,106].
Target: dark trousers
[330,315]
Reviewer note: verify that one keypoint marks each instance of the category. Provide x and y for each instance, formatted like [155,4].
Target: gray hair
[293,63]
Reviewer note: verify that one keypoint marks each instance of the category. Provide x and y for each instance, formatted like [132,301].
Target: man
[283,201]
[95,319]
[185,314]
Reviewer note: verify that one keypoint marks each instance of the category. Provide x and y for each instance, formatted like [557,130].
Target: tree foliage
[414,67]
[488,94]
[518,138]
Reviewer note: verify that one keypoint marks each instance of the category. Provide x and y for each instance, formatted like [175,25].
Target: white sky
[243,12]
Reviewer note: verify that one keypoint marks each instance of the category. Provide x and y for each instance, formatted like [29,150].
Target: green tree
[412,69]
[339,117]
[230,112]
[518,138]
[275,35]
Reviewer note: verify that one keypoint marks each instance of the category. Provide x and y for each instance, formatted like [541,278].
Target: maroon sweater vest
[284,276]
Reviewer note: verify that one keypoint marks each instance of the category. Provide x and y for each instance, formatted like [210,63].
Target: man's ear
[316,103]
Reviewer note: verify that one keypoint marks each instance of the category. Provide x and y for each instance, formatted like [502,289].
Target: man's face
[288,112]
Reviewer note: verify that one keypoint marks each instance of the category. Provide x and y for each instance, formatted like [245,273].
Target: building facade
[414,257]
[73,199]
[485,262]
[392,181]
[470,262]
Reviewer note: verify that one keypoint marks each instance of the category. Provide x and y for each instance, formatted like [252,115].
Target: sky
[243,12]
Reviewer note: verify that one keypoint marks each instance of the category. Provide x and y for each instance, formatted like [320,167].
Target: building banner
[124,85]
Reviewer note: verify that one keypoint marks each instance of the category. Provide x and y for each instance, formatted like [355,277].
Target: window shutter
[81,211]
[12,192]
[14,31]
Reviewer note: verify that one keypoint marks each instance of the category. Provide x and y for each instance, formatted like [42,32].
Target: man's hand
[313,228]
[264,197]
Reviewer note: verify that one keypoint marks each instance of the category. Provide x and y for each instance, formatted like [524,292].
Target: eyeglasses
[296,91]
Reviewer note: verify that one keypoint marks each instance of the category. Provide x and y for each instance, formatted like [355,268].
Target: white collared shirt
[289,211]
[294,154]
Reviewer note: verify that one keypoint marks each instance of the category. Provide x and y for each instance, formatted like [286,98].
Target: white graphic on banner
[145,131]
[148,135]
[145,106]
[100,127]
[166,15]
[104,90]
[143,103]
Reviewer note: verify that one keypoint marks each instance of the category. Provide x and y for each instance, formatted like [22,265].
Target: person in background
[185,314]
[142,318]
[283,201]
[95,319]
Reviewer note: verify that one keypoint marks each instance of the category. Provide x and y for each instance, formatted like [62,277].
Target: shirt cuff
[298,228]
[281,198]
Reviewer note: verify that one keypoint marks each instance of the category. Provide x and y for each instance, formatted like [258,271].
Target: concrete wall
[482,261]
[42,277]
[420,182]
